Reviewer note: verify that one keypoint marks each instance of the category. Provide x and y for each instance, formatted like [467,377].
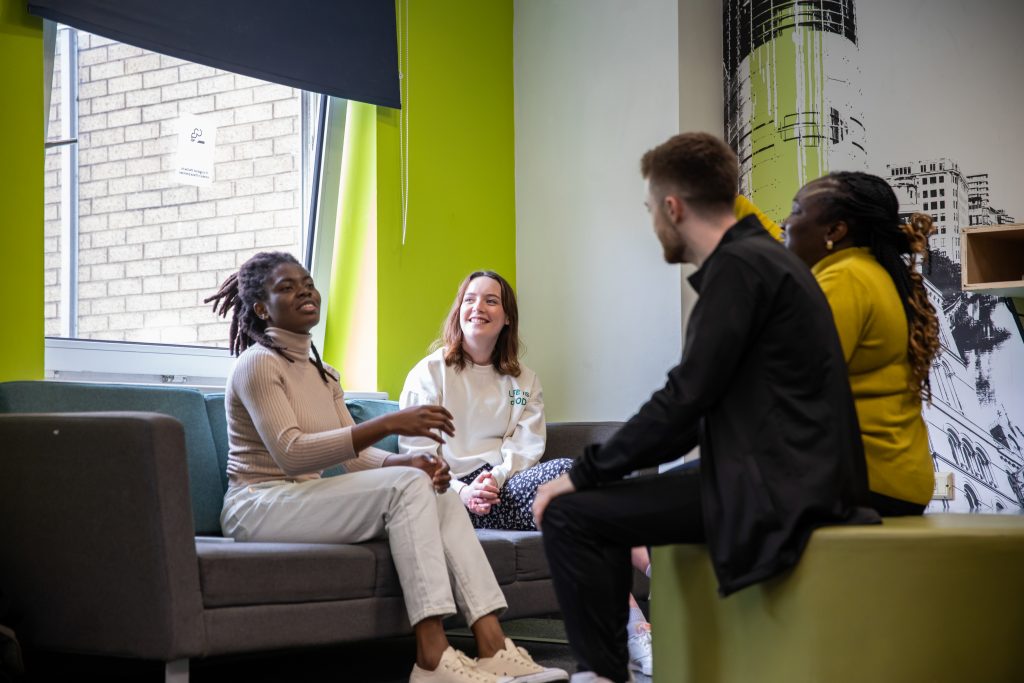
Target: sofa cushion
[183,403]
[568,439]
[500,554]
[233,574]
[363,409]
[528,547]
[217,413]
[386,577]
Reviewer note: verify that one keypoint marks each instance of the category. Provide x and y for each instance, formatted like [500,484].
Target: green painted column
[21,192]
[461,173]
[350,339]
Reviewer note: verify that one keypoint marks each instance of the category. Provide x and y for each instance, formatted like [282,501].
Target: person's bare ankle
[431,643]
[483,652]
[428,660]
[490,638]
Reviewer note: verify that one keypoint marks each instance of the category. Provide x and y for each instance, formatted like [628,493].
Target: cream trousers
[439,559]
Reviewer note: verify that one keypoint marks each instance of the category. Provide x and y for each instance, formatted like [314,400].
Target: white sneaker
[516,663]
[641,656]
[455,667]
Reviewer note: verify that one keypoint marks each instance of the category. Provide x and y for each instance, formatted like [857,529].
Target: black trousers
[895,507]
[587,537]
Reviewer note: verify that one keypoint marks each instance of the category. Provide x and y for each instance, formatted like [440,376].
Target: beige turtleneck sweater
[284,422]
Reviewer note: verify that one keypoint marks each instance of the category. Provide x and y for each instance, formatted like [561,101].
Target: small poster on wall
[197,139]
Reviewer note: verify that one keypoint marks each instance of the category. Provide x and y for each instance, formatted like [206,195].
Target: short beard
[673,256]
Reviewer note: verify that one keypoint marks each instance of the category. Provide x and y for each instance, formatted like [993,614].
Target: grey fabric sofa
[110,542]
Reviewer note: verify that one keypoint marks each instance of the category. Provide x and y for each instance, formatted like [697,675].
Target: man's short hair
[700,166]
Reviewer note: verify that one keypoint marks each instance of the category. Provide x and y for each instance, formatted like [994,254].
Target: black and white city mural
[928,96]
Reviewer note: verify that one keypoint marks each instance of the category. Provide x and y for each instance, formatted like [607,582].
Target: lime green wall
[21,191]
[461,213]
[350,329]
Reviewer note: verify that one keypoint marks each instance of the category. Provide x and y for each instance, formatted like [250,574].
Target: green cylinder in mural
[791,95]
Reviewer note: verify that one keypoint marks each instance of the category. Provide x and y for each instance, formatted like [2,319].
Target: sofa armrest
[97,546]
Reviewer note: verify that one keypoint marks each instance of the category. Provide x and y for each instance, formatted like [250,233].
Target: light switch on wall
[944,489]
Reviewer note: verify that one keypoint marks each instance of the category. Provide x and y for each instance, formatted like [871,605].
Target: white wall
[701,88]
[596,85]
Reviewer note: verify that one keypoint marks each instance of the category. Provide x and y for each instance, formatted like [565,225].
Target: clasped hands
[480,494]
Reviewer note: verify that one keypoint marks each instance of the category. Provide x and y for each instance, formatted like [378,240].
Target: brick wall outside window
[150,249]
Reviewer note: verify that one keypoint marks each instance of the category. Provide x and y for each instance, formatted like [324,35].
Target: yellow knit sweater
[873,330]
[743,207]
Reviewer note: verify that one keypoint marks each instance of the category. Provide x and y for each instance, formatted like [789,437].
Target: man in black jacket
[762,388]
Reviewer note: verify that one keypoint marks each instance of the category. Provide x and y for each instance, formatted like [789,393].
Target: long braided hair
[238,294]
[870,208]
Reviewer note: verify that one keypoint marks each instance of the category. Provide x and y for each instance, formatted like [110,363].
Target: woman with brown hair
[496,402]
[498,410]
[846,227]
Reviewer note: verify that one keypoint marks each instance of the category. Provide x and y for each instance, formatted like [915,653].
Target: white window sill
[86,360]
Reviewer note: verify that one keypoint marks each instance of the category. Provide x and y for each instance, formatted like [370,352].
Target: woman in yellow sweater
[846,227]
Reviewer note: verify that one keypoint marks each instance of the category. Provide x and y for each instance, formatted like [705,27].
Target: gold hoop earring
[828,245]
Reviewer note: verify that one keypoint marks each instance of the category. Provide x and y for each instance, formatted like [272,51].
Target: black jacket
[763,388]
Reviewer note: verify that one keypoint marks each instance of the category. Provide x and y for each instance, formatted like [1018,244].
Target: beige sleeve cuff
[368,459]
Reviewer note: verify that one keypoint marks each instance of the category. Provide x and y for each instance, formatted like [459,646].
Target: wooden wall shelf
[992,259]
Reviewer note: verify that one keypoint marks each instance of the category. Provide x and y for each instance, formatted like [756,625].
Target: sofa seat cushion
[234,574]
[499,551]
[386,576]
[530,562]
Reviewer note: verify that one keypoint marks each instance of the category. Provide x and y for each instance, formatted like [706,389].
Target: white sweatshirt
[499,419]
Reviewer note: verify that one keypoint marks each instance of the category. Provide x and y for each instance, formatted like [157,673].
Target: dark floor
[380,661]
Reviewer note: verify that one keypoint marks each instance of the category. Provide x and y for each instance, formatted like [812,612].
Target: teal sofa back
[207,480]
[364,409]
[202,416]
[219,426]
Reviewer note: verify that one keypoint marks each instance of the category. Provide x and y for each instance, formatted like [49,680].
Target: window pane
[149,247]
[52,207]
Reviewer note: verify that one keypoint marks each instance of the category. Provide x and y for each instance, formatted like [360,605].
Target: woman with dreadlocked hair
[846,227]
[287,422]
